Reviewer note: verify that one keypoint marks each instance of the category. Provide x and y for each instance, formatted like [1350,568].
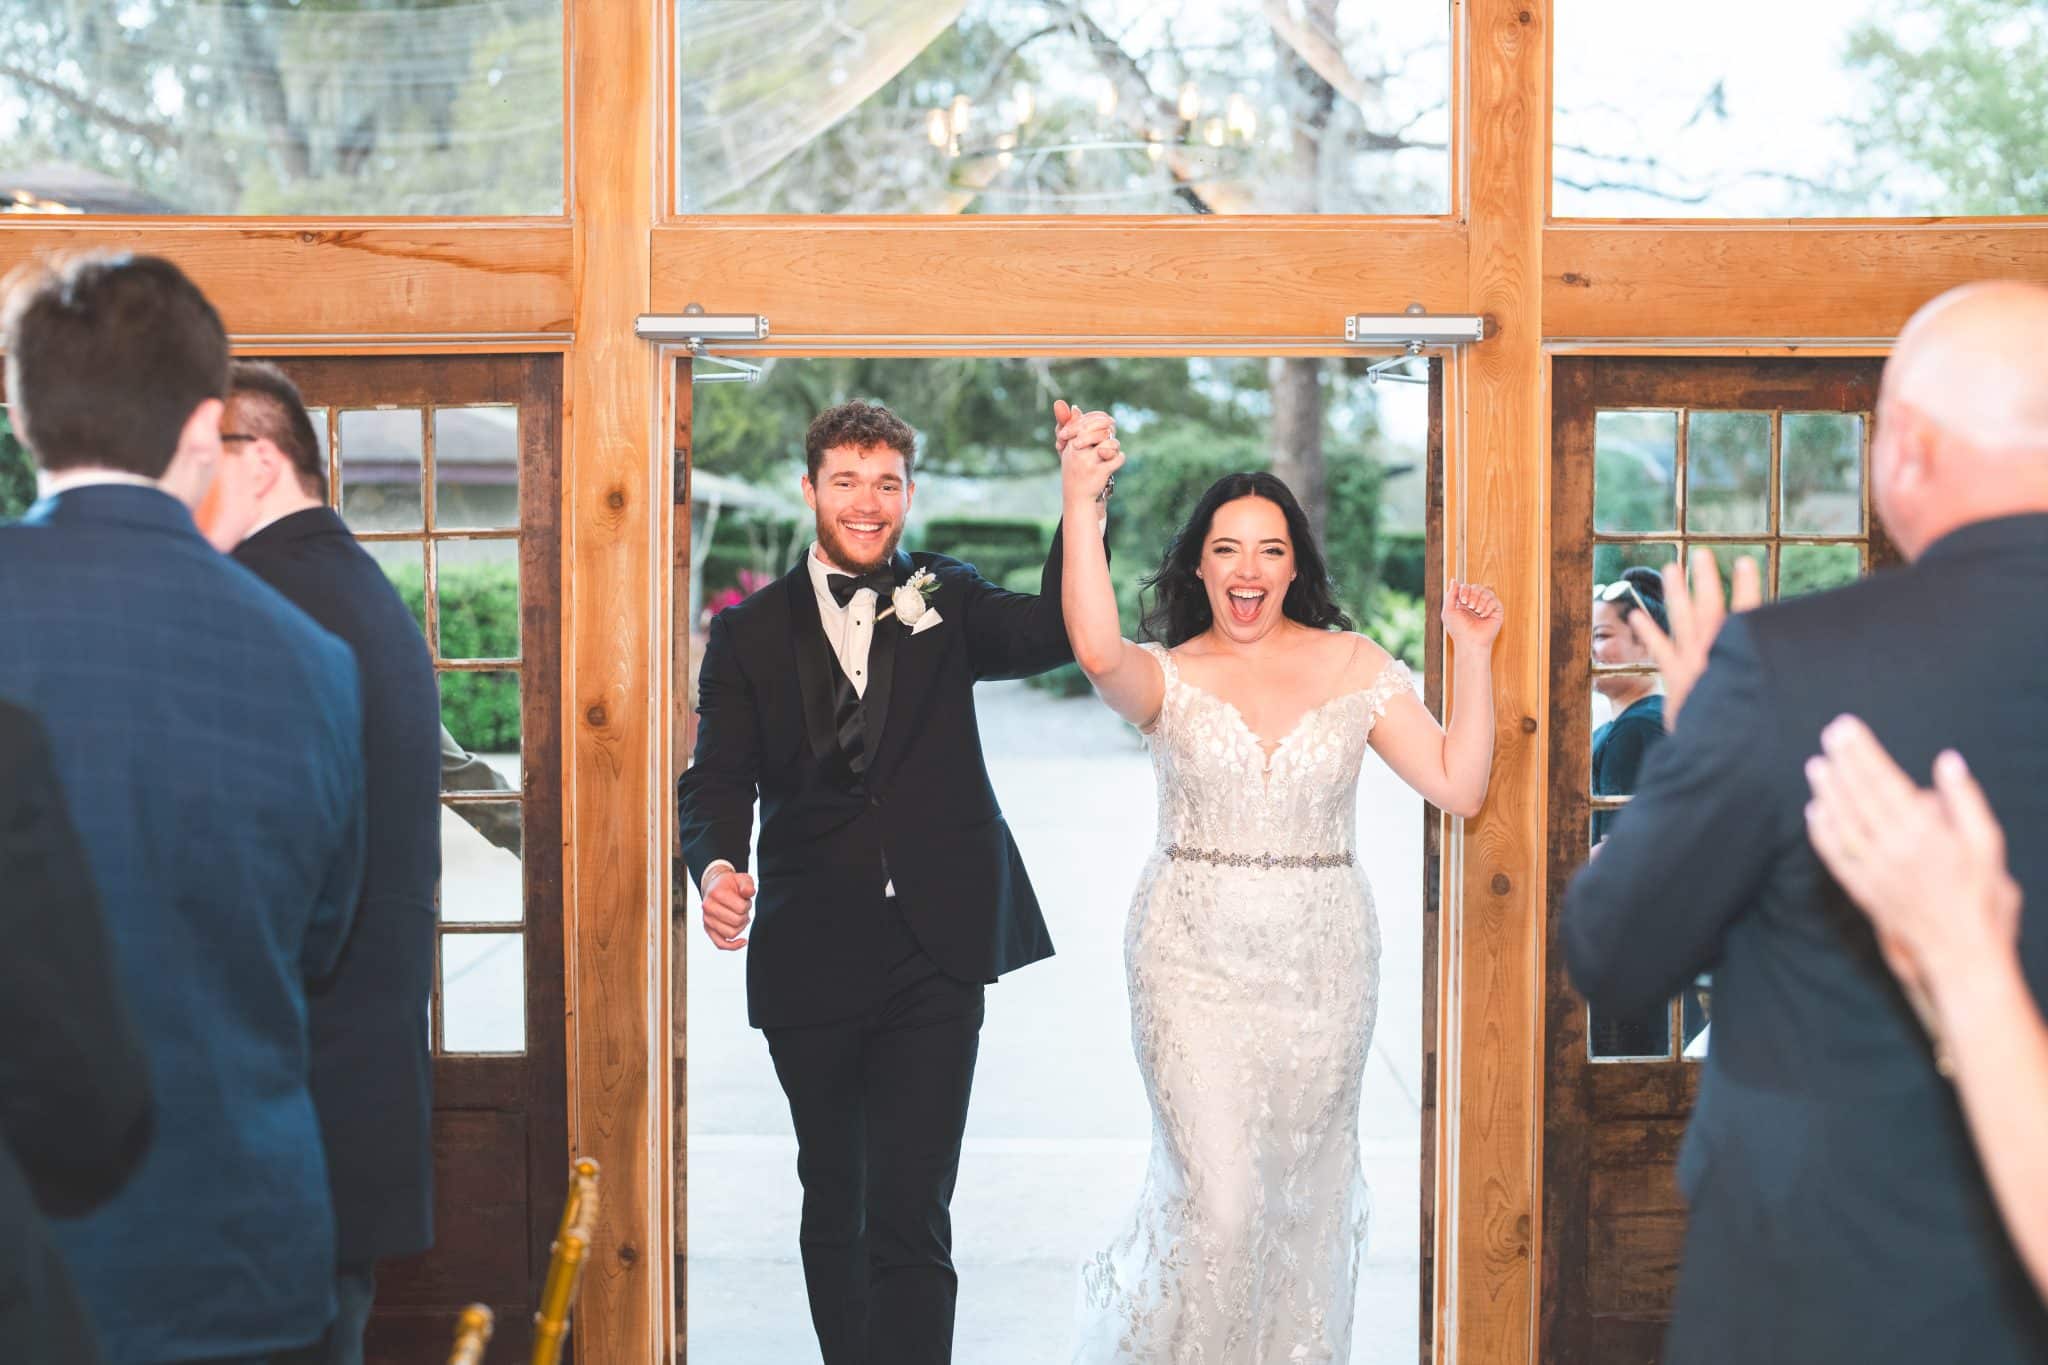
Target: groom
[890,890]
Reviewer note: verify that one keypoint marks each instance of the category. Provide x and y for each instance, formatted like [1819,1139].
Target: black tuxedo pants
[880,1102]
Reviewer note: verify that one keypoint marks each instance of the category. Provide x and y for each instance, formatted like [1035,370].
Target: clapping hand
[1472,615]
[1088,450]
[1697,615]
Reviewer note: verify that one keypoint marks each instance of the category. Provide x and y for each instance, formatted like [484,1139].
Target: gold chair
[565,1263]
[472,1334]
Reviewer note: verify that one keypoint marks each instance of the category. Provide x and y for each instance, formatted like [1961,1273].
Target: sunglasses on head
[1618,589]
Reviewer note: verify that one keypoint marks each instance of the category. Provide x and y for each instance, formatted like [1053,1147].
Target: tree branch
[86,107]
[1123,69]
[1315,46]
[267,87]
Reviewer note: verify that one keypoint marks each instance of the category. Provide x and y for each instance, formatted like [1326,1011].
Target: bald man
[1837,1211]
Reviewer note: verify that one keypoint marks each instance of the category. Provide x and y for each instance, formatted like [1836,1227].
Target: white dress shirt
[850,629]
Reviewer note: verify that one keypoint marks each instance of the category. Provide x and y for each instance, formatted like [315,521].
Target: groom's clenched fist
[728,904]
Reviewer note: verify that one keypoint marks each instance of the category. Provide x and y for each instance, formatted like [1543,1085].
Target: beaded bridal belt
[1262,861]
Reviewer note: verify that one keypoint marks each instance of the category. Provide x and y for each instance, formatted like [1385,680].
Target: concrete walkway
[1057,1134]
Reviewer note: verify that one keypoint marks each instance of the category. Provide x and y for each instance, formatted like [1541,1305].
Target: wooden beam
[1275,278]
[614,563]
[1745,281]
[312,279]
[1497,500]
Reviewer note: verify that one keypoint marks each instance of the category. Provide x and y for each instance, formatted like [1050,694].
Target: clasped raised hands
[1088,451]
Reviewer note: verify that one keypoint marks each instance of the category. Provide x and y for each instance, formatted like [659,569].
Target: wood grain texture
[1769,282]
[614,538]
[1433,540]
[683,743]
[1104,277]
[310,279]
[1497,1088]
[1566,1324]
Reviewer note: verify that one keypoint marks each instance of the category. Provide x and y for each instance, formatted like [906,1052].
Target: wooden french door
[448,469]
[1652,458]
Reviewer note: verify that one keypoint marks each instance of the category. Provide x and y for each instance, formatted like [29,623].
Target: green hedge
[999,547]
[479,620]
[1402,562]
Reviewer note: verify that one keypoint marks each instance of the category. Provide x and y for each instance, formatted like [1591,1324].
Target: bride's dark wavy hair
[1180,606]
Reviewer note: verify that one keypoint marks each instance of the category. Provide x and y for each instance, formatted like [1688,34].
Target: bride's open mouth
[1245,604]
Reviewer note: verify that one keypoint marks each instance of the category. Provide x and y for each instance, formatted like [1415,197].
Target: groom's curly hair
[1180,608]
[862,425]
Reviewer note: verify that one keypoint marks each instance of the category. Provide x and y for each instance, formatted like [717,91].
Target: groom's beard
[843,555]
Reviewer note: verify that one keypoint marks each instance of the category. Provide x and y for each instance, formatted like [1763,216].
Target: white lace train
[1253,993]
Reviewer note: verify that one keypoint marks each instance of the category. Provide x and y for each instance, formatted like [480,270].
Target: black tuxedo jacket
[75,1108]
[1838,1213]
[372,1078]
[923,814]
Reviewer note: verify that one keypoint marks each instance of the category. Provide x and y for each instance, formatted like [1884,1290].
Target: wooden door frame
[1575,1090]
[533,383]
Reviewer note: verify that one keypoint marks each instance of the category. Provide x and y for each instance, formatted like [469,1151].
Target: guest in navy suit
[209,738]
[372,1069]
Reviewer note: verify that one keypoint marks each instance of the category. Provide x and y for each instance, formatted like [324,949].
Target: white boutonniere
[911,602]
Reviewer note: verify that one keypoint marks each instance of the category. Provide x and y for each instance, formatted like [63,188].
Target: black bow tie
[881,582]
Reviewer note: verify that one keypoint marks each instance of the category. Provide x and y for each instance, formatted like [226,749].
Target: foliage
[1961,93]
[1002,549]
[479,617]
[1398,622]
[1403,564]
[1816,568]
[17,471]
[310,106]
[974,416]
[1184,424]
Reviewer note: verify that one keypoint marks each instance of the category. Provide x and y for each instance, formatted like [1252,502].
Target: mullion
[477,665]
[1684,459]
[1774,522]
[430,513]
[334,456]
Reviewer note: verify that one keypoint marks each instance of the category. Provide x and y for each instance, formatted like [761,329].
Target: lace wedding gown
[1252,954]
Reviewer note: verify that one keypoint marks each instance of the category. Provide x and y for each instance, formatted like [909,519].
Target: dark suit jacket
[1838,1211]
[74,1090]
[923,814]
[208,737]
[372,1072]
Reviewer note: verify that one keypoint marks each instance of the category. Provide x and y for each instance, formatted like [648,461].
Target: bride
[1251,951]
